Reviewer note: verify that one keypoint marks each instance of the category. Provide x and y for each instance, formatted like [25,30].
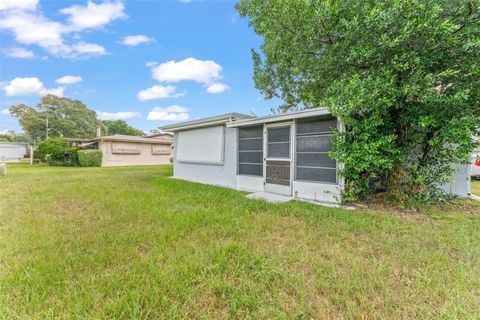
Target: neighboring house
[123,150]
[284,154]
[13,151]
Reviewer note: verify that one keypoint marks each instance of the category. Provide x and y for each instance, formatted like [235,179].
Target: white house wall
[215,174]
[249,183]
[322,192]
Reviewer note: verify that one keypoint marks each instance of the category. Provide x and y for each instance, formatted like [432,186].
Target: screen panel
[203,145]
[314,139]
[250,151]
[278,145]
[278,172]
[317,174]
[314,143]
[307,126]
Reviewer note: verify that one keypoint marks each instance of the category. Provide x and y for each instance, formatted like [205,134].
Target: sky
[150,63]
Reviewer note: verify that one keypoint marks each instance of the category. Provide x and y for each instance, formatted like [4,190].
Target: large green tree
[120,127]
[66,118]
[402,75]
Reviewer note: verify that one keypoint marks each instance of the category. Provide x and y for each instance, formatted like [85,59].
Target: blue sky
[148,62]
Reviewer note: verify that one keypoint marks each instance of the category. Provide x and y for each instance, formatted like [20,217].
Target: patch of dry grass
[475,187]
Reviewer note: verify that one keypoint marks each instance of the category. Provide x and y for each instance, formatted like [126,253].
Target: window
[126,148]
[314,139]
[159,149]
[278,142]
[250,151]
[202,146]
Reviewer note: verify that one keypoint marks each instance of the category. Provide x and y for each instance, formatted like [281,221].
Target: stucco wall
[144,158]
[222,175]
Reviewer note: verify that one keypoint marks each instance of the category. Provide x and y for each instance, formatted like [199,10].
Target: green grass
[131,243]
[475,187]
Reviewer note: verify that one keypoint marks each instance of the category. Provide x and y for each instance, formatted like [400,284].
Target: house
[284,154]
[124,150]
[13,151]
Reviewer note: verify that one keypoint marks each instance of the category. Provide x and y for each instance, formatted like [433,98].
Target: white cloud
[83,48]
[69,79]
[217,88]
[201,71]
[185,1]
[29,86]
[5,112]
[158,92]
[170,113]
[93,15]
[19,53]
[18,4]
[118,115]
[151,64]
[136,40]
[33,28]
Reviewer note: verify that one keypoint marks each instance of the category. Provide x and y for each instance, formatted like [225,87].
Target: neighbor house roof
[206,122]
[125,138]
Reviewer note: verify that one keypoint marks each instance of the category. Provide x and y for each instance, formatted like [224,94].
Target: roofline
[205,122]
[280,117]
[138,140]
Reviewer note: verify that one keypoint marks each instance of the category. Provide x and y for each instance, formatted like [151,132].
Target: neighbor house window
[314,140]
[126,148]
[250,151]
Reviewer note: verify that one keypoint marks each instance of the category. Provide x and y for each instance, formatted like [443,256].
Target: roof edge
[280,117]
[205,122]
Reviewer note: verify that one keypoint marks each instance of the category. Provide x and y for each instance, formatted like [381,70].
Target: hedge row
[90,158]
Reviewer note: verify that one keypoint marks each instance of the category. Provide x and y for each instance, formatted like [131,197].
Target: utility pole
[46,127]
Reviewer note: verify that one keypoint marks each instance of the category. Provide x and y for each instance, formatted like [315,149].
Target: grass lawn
[475,187]
[130,243]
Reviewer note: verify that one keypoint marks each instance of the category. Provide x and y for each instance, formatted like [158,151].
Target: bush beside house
[90,158]
[51,149]
[57,152]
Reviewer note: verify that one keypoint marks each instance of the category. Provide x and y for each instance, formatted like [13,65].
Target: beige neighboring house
[123,150]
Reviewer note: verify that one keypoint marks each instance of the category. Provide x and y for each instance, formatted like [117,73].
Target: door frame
[271,187]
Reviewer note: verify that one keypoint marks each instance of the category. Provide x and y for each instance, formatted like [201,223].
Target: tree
[31,120]
[120,127]
[54,148]
[403,76]
[12,136]
[66,118]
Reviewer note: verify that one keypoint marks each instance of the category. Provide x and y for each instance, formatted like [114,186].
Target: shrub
[54,147]
[90,158]
[71,156]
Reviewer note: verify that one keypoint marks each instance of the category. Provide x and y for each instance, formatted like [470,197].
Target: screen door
[278,160]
